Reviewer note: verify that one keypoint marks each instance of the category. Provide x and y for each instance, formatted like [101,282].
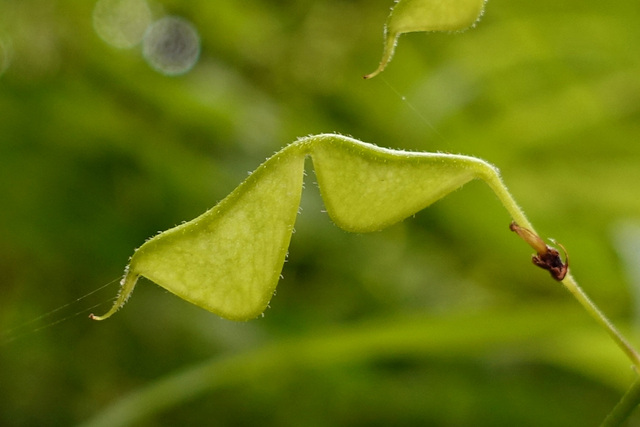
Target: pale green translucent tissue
[229,259]
[367,188]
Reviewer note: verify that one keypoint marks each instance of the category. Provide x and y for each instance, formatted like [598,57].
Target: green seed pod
[229,259]
[426,15]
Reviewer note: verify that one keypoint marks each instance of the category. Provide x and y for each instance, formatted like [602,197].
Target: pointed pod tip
[377,71]
[128,283]
[104,316]
[371,75]
[387,53]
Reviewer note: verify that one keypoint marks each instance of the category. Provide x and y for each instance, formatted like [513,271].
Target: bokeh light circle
[171,45]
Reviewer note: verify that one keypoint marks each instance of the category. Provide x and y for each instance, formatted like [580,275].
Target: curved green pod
[426,15]
[229,259]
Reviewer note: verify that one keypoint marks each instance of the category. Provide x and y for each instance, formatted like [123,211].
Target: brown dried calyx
[547,257]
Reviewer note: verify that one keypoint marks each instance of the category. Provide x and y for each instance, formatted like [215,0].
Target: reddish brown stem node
[546,257]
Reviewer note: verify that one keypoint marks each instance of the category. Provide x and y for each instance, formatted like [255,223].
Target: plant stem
[492,177]
[570,283]
[623,409]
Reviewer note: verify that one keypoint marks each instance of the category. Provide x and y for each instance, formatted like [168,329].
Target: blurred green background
[440,320]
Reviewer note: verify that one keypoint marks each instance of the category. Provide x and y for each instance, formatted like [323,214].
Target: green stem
[570,283]
[625,407]
[492,177]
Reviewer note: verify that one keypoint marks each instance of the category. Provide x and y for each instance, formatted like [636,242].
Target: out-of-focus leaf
[524,334]
[426,15]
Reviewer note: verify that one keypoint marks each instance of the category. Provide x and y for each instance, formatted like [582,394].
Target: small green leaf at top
[426,15]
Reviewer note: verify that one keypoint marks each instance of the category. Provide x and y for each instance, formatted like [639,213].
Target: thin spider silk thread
[24,329]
